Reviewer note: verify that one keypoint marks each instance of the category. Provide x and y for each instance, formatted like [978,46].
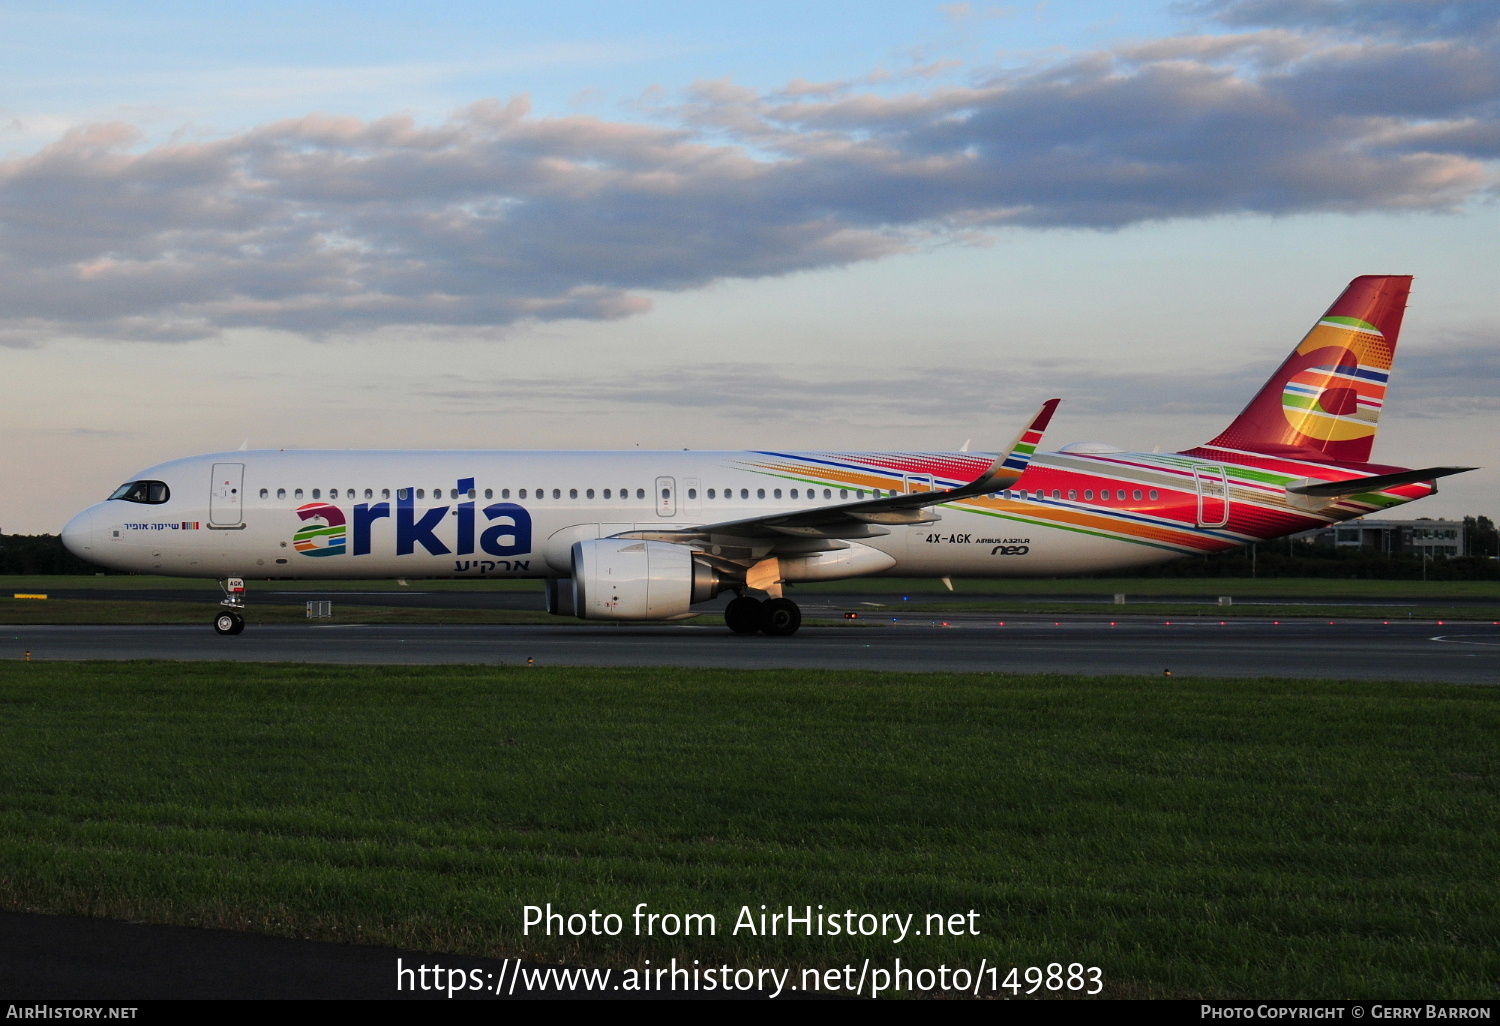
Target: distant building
[1435,539]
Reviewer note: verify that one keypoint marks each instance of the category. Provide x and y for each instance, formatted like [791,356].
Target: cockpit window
[153,492]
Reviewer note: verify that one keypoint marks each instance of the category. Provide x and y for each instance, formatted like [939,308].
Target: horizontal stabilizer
[1360,485]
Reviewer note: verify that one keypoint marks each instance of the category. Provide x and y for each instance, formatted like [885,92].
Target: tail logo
[1339,399]
[325,539]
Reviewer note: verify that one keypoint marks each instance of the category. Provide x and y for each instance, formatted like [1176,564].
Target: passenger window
[299,493]
[1023,495]
[522,493]
[369,493]
[315,493]
[827,493]
[1088,495]
[744,493]
[606,493]
[666,493]
[572,493]
[281,493]
[776,494]
[421,494]
[385,493]
[1136,495]
[710,493]
[1056,494]
[557,493]
[692,493]
[760,493]
[401,493]
[589,494]
[794,493]
[843,493]
[1155,495]
[640,493]
[265,493]
[1072,495]
[1120,495]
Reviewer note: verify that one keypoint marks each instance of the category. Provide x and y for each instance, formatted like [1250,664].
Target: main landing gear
[231,621]
[778,617]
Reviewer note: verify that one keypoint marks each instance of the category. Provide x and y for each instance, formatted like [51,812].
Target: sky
[721,225]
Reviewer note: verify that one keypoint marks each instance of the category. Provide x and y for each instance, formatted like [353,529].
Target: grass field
[1190,837]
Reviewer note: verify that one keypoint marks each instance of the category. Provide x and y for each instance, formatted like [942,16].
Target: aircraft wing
[1360,485]
[863,518]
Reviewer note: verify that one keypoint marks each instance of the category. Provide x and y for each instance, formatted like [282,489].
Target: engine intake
[622,579]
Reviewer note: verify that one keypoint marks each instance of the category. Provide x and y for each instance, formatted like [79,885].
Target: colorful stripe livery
[1325,401]
[326,539]
[1208,500]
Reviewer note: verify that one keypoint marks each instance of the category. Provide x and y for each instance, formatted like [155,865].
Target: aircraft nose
[78,533]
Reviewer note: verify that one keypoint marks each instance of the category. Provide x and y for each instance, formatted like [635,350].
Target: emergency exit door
[666,497]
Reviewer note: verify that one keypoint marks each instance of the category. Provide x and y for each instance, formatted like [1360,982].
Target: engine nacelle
[623,579]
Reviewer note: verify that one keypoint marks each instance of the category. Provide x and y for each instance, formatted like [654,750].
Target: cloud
[751,392]
[325,225]
[1409,18]
[1460,374]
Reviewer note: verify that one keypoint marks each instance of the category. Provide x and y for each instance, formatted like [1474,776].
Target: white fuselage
[425,514]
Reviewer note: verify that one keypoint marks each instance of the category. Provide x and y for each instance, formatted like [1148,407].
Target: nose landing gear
[231,621]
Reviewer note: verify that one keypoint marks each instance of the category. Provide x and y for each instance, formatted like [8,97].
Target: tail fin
[1324,402]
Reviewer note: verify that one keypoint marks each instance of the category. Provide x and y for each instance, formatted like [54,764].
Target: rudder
[1324,402]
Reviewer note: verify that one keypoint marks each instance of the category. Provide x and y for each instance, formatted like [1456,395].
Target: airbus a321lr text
[649,535]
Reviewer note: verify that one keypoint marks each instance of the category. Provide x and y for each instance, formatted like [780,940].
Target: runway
[1460,653]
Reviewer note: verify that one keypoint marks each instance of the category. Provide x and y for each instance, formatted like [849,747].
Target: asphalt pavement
[1417,650]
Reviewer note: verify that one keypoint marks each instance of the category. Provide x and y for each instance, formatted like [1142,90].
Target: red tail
[1324,402]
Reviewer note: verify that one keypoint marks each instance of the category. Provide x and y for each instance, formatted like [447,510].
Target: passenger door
[225,498]
[1213,495]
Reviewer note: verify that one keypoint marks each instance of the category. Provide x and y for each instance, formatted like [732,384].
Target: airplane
[628,536]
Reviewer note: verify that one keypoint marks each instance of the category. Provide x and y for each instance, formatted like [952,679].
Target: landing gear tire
[780,617]
[229,623]
[743,615]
